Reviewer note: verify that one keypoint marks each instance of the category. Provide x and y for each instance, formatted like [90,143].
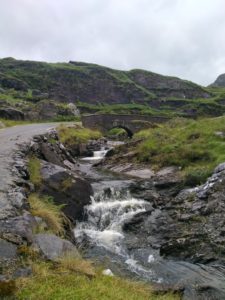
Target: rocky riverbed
[138,223]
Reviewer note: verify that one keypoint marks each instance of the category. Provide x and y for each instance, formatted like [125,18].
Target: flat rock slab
[52,247]
[7,250]
[141,173]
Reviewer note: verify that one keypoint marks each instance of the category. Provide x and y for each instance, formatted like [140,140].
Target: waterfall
[106,216]
[97,156]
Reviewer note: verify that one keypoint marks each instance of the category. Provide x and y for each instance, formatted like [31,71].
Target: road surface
[10,139]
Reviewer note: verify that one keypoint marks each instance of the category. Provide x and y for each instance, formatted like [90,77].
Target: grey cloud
[183,38]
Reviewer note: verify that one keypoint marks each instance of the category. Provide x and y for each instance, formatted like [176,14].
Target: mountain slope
[69,82]
[219,82]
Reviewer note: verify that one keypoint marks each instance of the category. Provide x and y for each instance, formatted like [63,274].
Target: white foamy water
[106,217]
[97,156]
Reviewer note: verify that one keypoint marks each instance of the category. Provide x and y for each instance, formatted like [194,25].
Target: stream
[103,238]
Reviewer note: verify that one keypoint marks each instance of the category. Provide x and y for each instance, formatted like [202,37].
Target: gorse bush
[194,146]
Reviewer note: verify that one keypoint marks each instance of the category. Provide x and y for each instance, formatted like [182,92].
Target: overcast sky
[184,38]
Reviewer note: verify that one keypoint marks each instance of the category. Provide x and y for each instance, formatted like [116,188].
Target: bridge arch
[128,131]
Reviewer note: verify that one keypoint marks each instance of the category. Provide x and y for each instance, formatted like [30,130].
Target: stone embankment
[18,226]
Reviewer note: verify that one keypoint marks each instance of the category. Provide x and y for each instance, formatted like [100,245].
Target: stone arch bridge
[131,123]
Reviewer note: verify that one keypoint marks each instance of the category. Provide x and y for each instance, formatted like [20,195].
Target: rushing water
[97,156]
[102,234]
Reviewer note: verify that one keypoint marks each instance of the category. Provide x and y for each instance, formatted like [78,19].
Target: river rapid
[102,237]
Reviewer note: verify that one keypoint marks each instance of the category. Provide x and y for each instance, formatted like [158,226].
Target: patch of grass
[118,132]
[71,135]
[10,123]
[51,213]
[61,118]
[52,282]
[34,168]
[195,146]
[73,262]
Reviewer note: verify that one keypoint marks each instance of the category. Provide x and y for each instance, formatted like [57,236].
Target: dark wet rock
[86,149]
[52,247]
[66,188]
[110,152]
[11,113]
[48,147]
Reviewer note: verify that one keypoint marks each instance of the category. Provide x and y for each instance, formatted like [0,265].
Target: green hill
[43,90]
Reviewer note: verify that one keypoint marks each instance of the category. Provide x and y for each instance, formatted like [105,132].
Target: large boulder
[52,247]
[11,114]
[67,189]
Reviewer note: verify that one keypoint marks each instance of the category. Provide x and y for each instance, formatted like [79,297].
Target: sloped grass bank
[76,135]
[194,146]
[58,282]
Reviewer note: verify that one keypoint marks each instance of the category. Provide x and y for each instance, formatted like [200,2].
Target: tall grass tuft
[51,213]
[34,168]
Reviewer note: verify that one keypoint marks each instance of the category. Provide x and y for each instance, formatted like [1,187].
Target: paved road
[10,138]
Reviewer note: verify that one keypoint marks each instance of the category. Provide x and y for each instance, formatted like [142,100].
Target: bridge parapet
[131,123]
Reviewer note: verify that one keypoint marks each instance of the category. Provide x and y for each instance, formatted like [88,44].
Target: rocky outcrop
[51,110]
[67,189]
[219,82]
[9,82]
[11,114]
[59,178]
[17,224]
[93,84]
[189,226]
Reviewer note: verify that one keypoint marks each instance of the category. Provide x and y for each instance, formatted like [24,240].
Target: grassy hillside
[197,147]
[43,90]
